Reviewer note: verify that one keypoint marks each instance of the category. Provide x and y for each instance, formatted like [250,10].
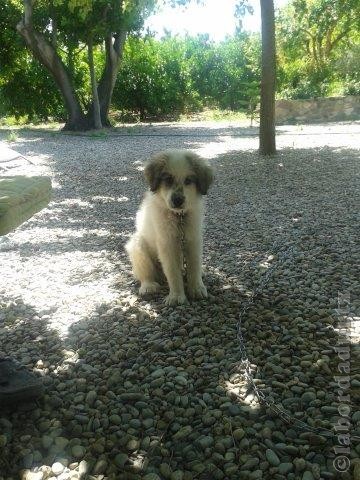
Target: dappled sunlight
[349,328]
[237,387]
[209,149]
[72,202]
[69,285]
[104,199]
[163,385]
[56,238]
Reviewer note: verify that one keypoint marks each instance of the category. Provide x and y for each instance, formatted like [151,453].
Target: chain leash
[245,364]
[182,239]
[279,257]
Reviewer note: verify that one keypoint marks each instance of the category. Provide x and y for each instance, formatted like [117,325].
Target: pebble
[165,470]
[28,460]
[61,443]
[152,476]
[83,468]
[205,442]
[34,476]
[133,385]
[182,433]
[308,397]
[300,464]
[120,459]
[100,467]
[78,451]
[91,397]
[285,468]
[3,441]
[356,472]
[256,475]
[238,434]
[177,475]
[307,475]
[57,468]
[115,419]
[46,441]
[272,458]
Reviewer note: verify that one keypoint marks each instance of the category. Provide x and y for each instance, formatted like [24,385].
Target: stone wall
[314,110]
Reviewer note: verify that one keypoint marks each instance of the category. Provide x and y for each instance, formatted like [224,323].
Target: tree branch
[28,12]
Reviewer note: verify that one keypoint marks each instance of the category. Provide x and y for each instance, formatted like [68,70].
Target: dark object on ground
[17,385]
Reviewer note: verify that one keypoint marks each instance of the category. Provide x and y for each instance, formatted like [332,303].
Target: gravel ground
[138,390]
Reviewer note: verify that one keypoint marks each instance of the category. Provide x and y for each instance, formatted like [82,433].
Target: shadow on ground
[134,385]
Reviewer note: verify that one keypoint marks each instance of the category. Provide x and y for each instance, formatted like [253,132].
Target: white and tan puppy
[169,226]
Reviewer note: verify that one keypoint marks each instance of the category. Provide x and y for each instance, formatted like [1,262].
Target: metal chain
[282,256]
[245,363]
[182,239]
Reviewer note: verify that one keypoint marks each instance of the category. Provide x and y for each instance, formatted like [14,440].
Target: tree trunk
[95,102]
[268,76]
[45,53]
[113,50]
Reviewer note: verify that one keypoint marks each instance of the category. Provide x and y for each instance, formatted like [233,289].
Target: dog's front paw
[197,291]
[149,287]
[176,299]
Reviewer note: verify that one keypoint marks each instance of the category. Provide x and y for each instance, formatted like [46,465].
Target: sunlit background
[212,17]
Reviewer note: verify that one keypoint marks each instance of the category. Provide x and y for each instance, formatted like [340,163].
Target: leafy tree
[313,37]
[21,79]
[154,79]
[318,26]
[59,28]
[177,75]
[223,72]
[347,64]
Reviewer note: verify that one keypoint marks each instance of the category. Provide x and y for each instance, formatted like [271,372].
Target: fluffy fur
[178,180]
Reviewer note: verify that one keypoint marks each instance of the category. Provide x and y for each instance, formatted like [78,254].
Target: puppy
[169,226]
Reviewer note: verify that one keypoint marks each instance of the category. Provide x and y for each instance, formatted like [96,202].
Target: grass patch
[215,115]
[22,123]
[211,115]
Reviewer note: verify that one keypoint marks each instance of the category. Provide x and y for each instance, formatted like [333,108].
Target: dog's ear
[153,170]
[203,172]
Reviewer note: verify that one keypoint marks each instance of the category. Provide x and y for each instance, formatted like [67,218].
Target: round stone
[151,476]
[272,458]
[115,419]
[307,475]
[100,467]
[285,468]
[78,451]
[308,397]
[57,468]
[120,459]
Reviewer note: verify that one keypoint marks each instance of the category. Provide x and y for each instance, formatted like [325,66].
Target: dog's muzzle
[177,200]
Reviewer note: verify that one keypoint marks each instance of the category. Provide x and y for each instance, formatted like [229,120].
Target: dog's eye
[168,180]
[188,181]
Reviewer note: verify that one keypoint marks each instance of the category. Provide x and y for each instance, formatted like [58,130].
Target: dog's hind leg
[144,268]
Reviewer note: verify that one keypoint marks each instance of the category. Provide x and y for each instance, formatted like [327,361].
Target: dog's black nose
[177,199]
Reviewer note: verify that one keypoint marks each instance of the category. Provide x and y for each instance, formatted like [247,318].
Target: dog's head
[179,177]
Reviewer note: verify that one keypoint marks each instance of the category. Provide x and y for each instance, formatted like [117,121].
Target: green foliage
[172,76]
[10,42]
[29,90]
[317,45]
[154,79]
[65,28]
